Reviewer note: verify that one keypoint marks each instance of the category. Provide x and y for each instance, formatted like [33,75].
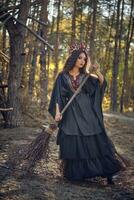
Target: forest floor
[46,183]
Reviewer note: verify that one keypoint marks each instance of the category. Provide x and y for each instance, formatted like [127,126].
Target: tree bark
[124,96]
[81,22]
[93,32]
[4,40]
[17,35]
[33,59]
[56,53]
[88,25]
[43,69]
[73,32]
[114,87]
[32,72]
[107,51]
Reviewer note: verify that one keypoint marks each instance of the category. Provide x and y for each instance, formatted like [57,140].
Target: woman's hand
[92,68]
[89,65]
[96,70]
[58,117]
[96,67]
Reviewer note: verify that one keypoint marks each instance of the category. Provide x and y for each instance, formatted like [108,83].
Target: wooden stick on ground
[6,109]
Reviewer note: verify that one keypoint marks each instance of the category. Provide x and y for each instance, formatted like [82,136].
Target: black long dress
[84,145]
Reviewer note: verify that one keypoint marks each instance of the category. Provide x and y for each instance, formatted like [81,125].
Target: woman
[85,148]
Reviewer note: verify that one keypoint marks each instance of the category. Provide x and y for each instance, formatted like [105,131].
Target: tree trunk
[32,71]
[131,86]
[81,23]
[123,99]
[5,64]
[107,51]
[14,80]
[17,35]
[34,54]
[93,32]
[88,28]
[4,40]
[43,70]
[114,88]
[73,32]
[56,53]
[29,54]
[50,35]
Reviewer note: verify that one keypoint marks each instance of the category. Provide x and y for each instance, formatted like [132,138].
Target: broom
[38,148]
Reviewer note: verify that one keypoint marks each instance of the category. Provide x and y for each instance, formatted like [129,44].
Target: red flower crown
[77,46]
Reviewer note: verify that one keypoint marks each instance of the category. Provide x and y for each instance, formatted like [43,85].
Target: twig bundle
[39,148]
[124,160]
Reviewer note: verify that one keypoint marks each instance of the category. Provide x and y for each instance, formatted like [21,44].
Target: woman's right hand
[89,67]
[58,117]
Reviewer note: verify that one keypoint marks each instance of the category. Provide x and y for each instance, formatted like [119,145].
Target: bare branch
[35,2]
[10,8]
[40,22]
[35,34]
[2,9]
[6,109]
[9,16]
[6,19]
[4,86]
[3,15]
[5,56]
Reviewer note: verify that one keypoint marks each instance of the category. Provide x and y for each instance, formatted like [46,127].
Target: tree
[33,56]
[114,87]
[73,32]
[124,96]
[93,32]
[56,53]
[17,36]
[43,69]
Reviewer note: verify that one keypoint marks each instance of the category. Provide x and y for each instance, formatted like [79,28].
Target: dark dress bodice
[80,117]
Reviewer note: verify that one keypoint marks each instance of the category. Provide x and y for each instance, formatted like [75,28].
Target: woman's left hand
[96,67]
[89,65]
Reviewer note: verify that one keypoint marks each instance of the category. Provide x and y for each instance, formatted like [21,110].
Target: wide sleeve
[98,98]
[100,91]
[96,94]
[56,97]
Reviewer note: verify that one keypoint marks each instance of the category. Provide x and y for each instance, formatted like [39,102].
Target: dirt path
[47,183]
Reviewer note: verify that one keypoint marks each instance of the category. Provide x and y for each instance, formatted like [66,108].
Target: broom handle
[74,95]
[68,103]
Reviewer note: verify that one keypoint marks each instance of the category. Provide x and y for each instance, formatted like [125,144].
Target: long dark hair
[70,62]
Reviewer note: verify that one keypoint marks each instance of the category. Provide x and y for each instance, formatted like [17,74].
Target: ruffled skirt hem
[84,169]
[87,156]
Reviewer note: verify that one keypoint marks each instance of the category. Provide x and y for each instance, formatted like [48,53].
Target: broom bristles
[37,150]
[125,161]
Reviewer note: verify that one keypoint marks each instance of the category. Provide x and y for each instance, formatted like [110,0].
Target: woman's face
[81,60]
